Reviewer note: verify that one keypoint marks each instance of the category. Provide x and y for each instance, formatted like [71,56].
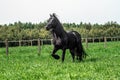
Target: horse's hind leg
[73,54]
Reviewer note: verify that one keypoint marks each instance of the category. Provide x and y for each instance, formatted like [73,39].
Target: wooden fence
[40,42]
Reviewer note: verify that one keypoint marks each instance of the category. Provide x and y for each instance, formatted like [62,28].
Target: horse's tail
[80,52]
[84,54]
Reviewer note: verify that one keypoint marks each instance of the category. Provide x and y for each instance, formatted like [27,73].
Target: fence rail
[41,42]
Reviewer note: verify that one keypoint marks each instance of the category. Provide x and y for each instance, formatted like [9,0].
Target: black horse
[65,40]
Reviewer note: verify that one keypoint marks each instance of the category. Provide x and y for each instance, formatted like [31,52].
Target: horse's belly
[72,44]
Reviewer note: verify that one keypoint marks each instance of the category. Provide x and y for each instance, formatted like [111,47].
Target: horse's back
[74,34]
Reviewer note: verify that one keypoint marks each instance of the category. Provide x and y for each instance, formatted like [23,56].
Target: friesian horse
[65,40]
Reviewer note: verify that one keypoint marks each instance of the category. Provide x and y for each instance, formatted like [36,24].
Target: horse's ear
[50,15]
[54,14]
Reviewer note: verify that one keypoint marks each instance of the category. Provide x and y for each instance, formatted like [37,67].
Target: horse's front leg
[63,55]
[54,51]
[54,55]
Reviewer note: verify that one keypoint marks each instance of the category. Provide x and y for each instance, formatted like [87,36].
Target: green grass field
[23,63]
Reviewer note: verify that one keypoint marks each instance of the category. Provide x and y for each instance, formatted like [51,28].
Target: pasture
[23,63]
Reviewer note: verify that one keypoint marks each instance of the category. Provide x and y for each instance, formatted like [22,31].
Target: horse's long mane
[55,16]
[60,26]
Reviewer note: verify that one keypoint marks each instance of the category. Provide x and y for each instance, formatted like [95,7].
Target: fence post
[6,43]
[19,42]
[86,43]
[39,46]
[31,42]
[93,40]
[99,40]
[105,40]
[41,41]
[111,39]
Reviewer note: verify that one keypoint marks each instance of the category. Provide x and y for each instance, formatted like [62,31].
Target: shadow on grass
[92,59]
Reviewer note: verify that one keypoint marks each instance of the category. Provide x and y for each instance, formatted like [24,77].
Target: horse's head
[51,23]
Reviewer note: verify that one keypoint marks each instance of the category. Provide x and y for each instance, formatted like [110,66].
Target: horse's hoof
[56,56]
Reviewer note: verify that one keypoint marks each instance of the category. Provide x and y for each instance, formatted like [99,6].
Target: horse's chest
[57,41]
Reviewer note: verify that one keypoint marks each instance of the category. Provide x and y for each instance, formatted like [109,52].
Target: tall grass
[23,63]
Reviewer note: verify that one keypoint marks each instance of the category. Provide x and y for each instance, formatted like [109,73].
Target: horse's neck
[59,33]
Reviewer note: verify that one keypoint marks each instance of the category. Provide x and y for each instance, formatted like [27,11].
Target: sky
[68,11]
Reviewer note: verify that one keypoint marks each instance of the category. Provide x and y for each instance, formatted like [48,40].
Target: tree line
[26,31]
